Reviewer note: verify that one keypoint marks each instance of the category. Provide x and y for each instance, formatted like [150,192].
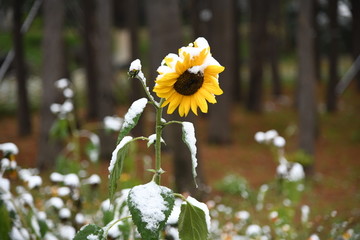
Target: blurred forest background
[286,63]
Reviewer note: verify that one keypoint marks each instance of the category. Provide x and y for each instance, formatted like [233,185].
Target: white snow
[106,205]
[62,83]
[55,202]
[175,213]
[92,237]
[135,65]
[50,236]
[243,215]
[94,179]
[34,181]
[279,142]
[63,191]
[314,237]
[114,231]
[67,232]
[71,180]
[27,198]
[9,148]
[253,229]
[203,207]
[56,177]
[305,210]
[122,143]
[270,135]
[152,139]
[296,172]
[5,184]
[5,163]
[150,203]
[55,108]
[68,93]
[64,213]
[135,109]
[79,218]
[189,136]
[259,137]
[113,123]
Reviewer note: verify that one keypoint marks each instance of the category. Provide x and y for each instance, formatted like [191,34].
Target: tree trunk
[222,35]
[274,46]
[23,111]
[90,55]
[53,70]
[306,78]
[237,92]
[317,53]
[200,18]
[331,97]
[163,18]
[355,10]
[258,17]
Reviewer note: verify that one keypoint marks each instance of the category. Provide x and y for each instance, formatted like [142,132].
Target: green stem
[158,131]
[75,137]
[111,224]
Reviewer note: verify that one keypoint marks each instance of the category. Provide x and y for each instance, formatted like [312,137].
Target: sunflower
[190,79]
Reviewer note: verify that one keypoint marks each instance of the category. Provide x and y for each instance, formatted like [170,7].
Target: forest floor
[335,184]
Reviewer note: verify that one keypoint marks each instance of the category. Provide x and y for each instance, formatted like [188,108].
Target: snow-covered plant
[65,128]
[185,81]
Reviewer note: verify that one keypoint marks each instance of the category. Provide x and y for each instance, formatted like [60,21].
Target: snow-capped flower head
[62,83]
[253,230]
[296,173]
[279,142]
[71,180]
[270,135]
[259,137]
[190,79]
[9,148]
[113,123]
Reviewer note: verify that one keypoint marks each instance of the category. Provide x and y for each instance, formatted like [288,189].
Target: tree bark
[222,35]
[331,97]
[355,10]
[306,78]
[238,88]
[23,108]
[258,17]
[273,46]
[53,70]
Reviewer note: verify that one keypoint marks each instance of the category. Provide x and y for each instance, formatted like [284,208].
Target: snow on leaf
[91,232]
[150,206]
[194,220]
[190,140]
[116,163]
[132,117]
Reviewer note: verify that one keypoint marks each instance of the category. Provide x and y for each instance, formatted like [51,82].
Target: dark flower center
[189,83]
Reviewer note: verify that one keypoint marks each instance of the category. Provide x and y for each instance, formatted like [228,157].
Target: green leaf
[60,129]
[189,139]
[116,164]
[132,117]
[192,223]
[5,225]
[88,230]
[150,206]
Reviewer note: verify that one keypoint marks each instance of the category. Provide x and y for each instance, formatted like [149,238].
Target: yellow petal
[194,105]
[214,69]
[208,96]
[201,102]
[174,103]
